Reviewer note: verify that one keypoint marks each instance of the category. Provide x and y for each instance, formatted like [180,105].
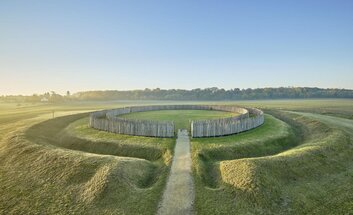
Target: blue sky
[98,45]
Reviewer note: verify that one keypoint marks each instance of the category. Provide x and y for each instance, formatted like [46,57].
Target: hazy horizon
[64,91]
[126,45]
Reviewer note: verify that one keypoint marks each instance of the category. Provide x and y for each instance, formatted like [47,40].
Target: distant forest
[213,93]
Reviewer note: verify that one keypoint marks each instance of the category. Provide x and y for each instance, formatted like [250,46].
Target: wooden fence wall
[111,121]
[227,126]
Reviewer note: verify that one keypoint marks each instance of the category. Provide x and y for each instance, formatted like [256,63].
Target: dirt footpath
[178,197]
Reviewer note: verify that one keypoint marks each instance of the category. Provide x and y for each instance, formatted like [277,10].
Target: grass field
[181,118]
[60,170]
[299,162]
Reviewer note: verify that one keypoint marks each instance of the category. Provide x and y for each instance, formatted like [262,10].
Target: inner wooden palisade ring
[110,120]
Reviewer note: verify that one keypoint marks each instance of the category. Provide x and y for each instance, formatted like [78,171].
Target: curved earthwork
[294,162]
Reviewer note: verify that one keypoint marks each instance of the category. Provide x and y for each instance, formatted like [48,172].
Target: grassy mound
[51,181]
[311,173]
[181,118]
[62,166]
[296,163]
[273,136]
[72,132]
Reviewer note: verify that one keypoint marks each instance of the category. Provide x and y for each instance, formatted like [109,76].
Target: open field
[299,162]
[334,107]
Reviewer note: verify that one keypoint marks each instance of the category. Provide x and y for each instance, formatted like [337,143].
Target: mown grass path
[332,121]
[178,197]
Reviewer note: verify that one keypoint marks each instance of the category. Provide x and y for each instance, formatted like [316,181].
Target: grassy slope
[295,181]
[40,180]
[208,152]
[49,178]
[73,132]
[315,176]
[181,118]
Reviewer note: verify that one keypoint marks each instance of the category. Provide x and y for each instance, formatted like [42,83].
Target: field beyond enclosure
[298,162]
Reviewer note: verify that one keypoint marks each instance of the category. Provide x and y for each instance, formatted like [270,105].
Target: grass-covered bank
[72,132]
[306,173]
[295,179]
[60,166]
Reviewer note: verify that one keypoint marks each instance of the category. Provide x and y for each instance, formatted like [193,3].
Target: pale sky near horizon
[100,45]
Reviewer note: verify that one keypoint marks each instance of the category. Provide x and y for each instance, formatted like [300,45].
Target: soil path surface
[178,197]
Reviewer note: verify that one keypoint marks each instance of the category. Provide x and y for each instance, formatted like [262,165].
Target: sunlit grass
[293,164]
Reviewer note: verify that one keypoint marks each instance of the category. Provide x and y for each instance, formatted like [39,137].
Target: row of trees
[213,93]
[51,97]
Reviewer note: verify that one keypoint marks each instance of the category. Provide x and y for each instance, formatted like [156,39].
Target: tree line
[51,97]
[213,93]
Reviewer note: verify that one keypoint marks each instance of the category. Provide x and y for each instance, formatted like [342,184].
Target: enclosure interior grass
[111,121]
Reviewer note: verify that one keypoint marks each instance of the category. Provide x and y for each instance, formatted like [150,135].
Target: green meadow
[298,162]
